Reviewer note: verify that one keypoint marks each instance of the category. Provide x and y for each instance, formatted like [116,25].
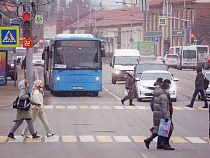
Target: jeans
[203,96]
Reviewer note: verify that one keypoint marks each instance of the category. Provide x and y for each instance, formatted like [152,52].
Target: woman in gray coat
[22,114]
[129,85]
[160,111]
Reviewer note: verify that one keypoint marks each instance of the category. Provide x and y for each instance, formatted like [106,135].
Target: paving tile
[122,139]
[138,139]
[86,138]
[195,140]
[104,139]
[69,138]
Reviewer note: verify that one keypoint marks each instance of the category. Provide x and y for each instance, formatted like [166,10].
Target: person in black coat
[129,88]
[199,87]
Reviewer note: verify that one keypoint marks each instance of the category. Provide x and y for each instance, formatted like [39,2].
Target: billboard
[3,67]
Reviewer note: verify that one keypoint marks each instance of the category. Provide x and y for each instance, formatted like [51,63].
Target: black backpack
[206,83]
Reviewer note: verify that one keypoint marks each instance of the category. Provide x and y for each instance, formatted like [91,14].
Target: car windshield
[145,67]
[172,56]
[208,76]
[126,60]
[189,54]
[37,57]
[155,76]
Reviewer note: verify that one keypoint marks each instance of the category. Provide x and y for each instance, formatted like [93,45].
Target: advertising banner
[3,67]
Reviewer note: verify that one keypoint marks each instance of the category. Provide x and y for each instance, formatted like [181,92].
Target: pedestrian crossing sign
[162,21]
[9,36]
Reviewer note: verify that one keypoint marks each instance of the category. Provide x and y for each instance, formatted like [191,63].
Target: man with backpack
[200,85]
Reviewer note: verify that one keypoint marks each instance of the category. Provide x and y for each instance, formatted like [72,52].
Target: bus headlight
[58,78]
[117,72]
[97,78]
[12,65]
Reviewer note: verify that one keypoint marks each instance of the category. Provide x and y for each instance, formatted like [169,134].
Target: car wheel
[113,81]
[139,99]
[173,99]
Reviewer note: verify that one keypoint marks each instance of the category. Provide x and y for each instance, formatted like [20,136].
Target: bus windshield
[77,55]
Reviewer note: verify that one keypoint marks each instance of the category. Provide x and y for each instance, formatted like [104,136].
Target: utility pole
[185,25]
[163,29]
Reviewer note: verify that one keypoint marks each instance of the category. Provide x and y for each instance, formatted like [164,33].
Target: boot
[122,101]
[148,140]
[35,136]
[11,135]
[166,145]
[130,102]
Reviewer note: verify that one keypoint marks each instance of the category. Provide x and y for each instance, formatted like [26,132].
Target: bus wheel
[95,94]
[113,81]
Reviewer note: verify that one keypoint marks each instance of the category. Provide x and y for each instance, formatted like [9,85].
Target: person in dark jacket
[129,86]
[199,87]
[160,111]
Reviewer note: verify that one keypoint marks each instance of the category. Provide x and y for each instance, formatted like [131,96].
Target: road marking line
[31,140]
[86,138]
[107,107]
[84,107]
[195,140]
[142,107]
[72,107]
[18,139]
[95,107]
[178,108]
[104,139]
[60,107]
[200,108]
[48,107]
[130,107]
[122,139]
[114,95]
[207,138]
[54,138]
[138,139]
[188,108]
[119,107]
[178,140]
[3,138]
[69,138]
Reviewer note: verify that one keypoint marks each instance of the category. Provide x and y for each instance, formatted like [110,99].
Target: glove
[166,120]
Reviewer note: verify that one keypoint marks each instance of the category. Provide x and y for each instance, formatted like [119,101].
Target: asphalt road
[100,127]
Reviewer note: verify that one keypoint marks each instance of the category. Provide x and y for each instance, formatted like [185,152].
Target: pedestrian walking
[129,88]
[199,88]
[37,96]
[22,114]
[160,111]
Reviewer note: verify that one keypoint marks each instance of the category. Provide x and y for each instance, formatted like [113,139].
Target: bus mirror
[102,53]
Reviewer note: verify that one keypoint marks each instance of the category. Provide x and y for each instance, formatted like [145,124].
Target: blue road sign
[10,36]
[156,39]
[162,21]
[13,24]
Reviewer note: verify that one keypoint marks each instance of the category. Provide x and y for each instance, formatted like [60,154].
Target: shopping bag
[22,104]
[164,128]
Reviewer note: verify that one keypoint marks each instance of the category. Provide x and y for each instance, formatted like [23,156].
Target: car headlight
[117,72]
[12,65]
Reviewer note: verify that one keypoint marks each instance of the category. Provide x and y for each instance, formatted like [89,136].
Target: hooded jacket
[161,107]
[199,81]
[23,94]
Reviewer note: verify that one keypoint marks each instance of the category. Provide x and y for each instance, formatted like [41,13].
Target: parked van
[188,58]
[175,50]
[203,52]
[123,61]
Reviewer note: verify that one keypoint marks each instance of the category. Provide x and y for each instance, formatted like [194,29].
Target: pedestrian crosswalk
[94,107]
[101,139]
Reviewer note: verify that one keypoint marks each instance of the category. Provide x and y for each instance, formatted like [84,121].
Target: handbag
[164,128]
[22,104]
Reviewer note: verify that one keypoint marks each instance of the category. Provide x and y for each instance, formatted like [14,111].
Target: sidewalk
[9,92]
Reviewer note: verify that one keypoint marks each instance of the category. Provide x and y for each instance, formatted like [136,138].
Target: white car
[37,60]
[207,75]
[145,85]
[171,60]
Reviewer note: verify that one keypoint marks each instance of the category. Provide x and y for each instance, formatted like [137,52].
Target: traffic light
[192,39]
[27,29]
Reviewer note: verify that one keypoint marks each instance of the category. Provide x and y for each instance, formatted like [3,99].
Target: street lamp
[78,22]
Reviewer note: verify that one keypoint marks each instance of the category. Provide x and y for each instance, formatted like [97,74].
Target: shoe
[205,107]
[190,106]
[122,102]
[147,142]
[35,136]
[168,147]
[50,134]
[11,135]
[160,147]
[25,136]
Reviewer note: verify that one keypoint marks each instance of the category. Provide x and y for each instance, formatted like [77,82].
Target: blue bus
[73,63]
